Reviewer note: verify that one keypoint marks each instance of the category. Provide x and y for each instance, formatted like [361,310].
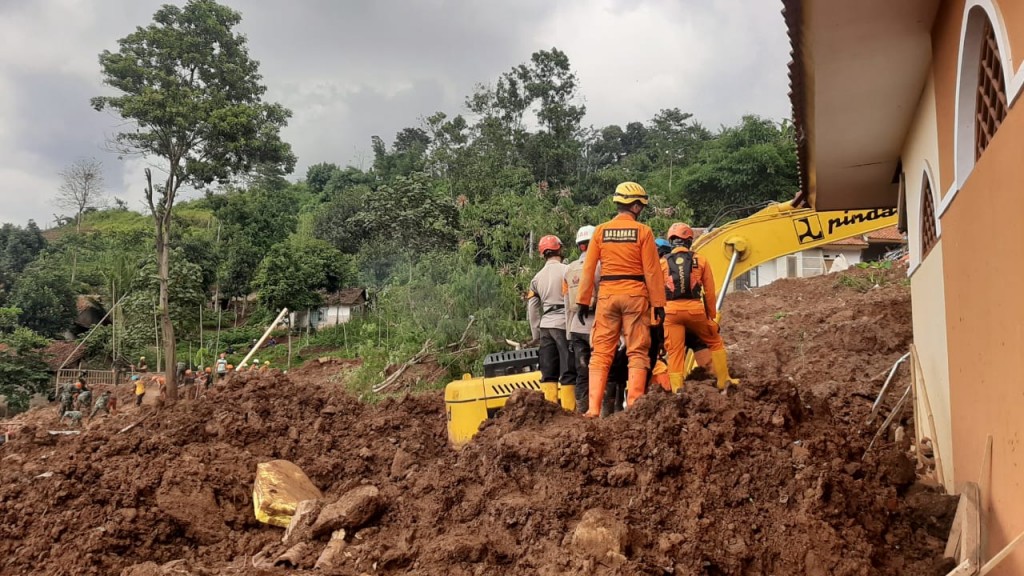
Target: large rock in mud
[279,487]
[354,509]
[599,534]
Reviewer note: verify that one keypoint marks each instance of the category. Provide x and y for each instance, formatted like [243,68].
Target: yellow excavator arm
[778,230]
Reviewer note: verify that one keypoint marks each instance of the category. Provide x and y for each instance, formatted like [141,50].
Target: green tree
[740,169]
[318,175]
[22,370]
[295,271]
[18,248]
[194,95]
[46,300]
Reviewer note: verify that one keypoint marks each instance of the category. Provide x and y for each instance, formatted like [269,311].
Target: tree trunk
[163,250]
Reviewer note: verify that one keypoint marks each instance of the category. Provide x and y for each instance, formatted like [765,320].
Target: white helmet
[584,234]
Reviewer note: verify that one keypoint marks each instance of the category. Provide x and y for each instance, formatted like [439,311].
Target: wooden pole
[289,349]
[262,338]
[931,417]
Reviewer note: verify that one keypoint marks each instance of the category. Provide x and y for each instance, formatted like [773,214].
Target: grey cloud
[350,70]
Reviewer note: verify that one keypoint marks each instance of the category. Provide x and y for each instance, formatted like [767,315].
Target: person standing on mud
[140,389]
[690,291]
[579,332]
[222,366]
[84,400]
[546,310]
[67,398]
[631,284]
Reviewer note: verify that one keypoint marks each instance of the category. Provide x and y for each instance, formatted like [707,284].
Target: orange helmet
[681,231]
[208,370]
[549,243]
[231,367]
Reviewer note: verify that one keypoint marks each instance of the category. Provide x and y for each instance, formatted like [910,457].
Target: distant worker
[140,389]
[266,366]
[631,284]
[690,291]
[143,367]
[84,400]
[67,398]
[579,332]
[222,366]
[102,403]
[546,311]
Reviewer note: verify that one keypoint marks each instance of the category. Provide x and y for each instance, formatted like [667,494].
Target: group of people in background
[624,312]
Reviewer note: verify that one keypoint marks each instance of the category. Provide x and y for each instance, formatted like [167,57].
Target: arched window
[990,107]
[982,72]
[929,231]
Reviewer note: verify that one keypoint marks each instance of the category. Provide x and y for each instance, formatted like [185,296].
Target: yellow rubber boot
[636,385]
[721,366]
[675,382]
[550,390]
[567,396]
[598,382]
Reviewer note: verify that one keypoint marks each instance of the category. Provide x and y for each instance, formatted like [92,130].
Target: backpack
[682,283]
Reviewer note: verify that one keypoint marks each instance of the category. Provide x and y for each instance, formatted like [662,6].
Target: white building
[338,308]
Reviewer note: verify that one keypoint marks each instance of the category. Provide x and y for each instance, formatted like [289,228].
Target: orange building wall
[983,258]
[945,53]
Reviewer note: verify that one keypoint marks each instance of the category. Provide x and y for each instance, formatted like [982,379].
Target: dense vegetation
[439,229]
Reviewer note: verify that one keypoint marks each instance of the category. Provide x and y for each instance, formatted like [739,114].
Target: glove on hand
[582,313]
[659,315]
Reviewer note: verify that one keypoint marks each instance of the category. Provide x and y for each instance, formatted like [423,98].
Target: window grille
[929,234]
[990,108]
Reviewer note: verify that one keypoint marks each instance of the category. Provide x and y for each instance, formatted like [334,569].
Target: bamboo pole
[262,338]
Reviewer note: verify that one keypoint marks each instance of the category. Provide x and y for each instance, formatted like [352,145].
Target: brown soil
[769,480]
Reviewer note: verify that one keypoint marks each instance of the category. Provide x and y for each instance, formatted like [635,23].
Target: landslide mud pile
[769,480]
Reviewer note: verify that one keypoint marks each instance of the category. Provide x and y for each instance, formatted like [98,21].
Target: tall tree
[18,248]
[81,187]
[187,83]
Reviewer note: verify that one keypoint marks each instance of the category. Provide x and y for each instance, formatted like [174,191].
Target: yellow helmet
[629,192]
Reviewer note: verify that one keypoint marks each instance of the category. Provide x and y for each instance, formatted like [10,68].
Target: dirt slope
[769,480]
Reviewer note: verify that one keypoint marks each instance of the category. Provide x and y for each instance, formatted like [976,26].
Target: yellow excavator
[731,250]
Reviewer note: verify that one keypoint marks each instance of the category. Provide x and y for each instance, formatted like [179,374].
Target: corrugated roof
[346,297]
[792,12]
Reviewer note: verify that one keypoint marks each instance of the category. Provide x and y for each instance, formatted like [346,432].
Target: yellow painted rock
[279,487]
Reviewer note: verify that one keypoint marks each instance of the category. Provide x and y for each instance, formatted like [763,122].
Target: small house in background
[338,308]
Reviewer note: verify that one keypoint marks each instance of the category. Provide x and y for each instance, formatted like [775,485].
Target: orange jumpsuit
[631,283]
[689,314]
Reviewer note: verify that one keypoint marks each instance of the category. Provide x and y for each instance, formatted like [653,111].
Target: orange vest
[629,262]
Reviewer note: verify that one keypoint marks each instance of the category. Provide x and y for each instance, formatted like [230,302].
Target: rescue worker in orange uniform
[631,284]
[546,311]
[690,291]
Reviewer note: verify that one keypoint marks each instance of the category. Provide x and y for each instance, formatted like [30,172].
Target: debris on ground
[771,479]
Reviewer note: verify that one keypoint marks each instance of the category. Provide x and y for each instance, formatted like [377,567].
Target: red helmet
[681,231]
[549,243]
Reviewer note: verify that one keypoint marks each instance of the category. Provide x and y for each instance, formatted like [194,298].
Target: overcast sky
[352,69]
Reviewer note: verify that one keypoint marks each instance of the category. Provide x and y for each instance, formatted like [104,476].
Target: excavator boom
[779,230]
